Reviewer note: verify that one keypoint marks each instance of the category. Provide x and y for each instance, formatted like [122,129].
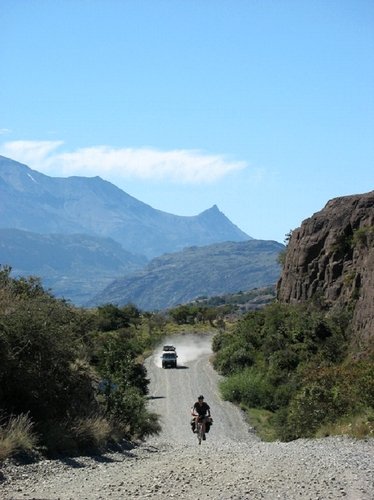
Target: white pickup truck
[169,357]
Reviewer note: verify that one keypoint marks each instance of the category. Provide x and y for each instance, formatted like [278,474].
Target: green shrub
[232,358]
[310,408]
[220,340]
[248,387]
[128,409]
[328,395]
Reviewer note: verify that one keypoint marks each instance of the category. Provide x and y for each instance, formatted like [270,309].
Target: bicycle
[200,429]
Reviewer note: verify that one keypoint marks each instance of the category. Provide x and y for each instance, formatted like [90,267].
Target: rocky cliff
[331,258]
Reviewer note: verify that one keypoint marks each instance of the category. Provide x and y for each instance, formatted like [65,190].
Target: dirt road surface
[173,393]
[231,464]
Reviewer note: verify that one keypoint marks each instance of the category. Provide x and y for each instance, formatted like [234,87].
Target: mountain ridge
[172,279]
[72,266]
[35,202]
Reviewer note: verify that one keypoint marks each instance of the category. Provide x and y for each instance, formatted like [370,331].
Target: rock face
[331,258]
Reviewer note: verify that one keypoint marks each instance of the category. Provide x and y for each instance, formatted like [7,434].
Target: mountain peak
[212,210]
[219,223]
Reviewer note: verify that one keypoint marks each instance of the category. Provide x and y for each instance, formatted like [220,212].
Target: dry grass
[73,437]
[94,431]
[360,426]
[16,435]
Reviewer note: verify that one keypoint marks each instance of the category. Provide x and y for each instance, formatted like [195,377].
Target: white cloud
[180,166]
[4,131]
[31,153]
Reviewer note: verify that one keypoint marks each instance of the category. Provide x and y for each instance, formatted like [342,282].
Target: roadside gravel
[231,464]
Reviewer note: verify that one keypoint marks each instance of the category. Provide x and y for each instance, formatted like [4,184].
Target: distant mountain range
[35,202]
[178,278]
[78,234]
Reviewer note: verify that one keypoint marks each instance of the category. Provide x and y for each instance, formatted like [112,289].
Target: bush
[232,358]
[328,395]
[220,340]
[310,408]
[128,409]
[39,346]
[248,387]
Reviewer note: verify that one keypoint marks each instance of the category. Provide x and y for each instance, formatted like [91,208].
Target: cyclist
[201,410]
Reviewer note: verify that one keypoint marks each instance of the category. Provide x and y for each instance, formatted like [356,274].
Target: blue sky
[265,108]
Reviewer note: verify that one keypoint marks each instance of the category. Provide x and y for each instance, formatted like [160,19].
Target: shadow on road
[180,367]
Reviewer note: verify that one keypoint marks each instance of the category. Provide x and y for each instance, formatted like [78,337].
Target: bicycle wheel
[199,432]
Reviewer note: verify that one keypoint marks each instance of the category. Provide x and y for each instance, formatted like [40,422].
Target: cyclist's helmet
[200,397]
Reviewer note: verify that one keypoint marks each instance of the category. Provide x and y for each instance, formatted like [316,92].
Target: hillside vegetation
[292,369]
[70,379]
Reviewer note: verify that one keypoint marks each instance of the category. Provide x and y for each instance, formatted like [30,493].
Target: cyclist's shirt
[201,409]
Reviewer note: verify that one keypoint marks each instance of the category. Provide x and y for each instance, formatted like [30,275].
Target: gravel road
[231,464]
